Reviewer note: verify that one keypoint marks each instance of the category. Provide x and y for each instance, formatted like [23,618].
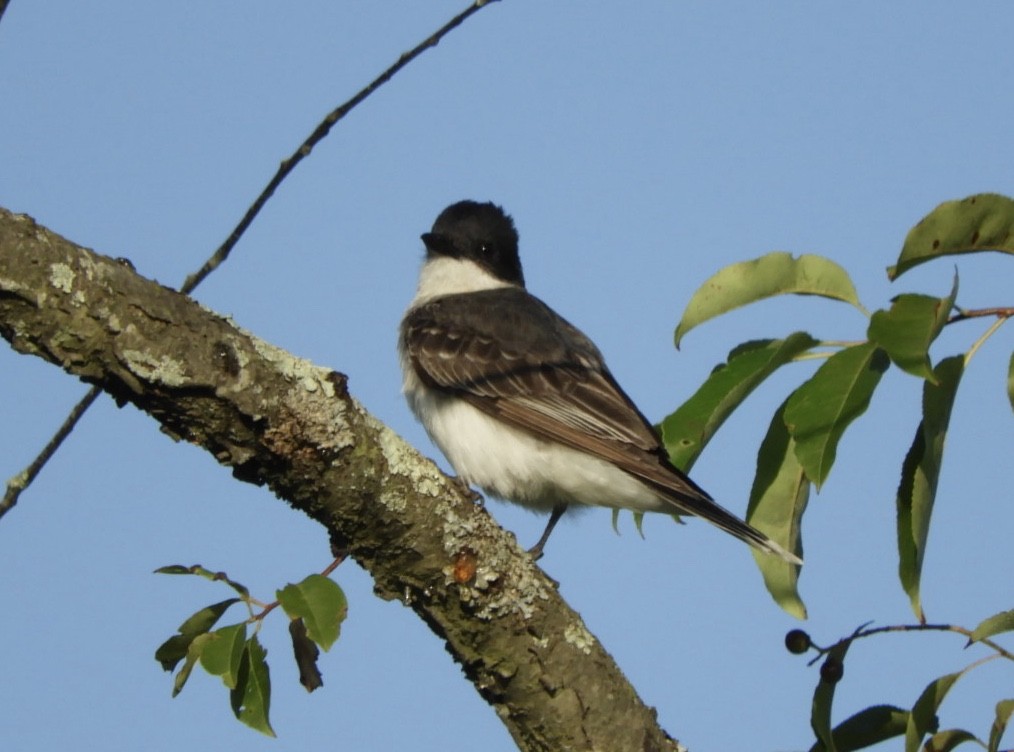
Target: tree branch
[279,421]
[22,480]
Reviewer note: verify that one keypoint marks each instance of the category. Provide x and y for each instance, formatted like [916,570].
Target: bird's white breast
[505,461]
[510,464]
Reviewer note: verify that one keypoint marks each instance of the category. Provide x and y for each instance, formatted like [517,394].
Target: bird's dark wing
[514,358]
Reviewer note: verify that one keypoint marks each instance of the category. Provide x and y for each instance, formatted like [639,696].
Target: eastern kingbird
[521,402]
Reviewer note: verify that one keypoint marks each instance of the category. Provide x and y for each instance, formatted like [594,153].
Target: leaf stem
[985,335]
[1001,312]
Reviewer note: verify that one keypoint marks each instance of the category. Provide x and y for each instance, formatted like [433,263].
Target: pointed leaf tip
[994,625]
[920,474]
[778,499]
[251,698]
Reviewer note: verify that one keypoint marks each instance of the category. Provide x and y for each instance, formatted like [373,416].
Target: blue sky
[639,147]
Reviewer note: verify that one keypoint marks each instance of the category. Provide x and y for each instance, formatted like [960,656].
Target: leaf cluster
[800,447]
[316,607]
[801,444]
[919,725]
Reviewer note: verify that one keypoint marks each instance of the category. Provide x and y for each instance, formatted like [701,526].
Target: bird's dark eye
[484,249]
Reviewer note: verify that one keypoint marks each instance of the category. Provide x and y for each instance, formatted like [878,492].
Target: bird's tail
[705,507]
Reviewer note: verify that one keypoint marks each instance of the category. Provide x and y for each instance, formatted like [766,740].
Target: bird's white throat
[451,276]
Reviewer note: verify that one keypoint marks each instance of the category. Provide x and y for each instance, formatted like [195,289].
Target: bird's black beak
[437,244]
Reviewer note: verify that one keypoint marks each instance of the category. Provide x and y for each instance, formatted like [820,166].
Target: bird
[520,401]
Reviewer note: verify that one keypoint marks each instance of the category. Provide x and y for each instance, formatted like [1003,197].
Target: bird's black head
[476,232]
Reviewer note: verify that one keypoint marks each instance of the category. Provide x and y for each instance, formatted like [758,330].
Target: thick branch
[22,480]
[280,421]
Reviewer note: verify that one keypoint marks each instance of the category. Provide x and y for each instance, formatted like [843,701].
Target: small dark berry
[832,670]
[797,641]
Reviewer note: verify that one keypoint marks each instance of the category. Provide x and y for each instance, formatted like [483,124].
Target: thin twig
[316,136]
[1001,313]
[863,632]
[22,480]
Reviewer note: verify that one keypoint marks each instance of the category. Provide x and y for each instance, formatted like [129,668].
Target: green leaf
[923,718]
[820,410]
[1004,710]
[868,727]
[203,620]
[1010,381]
[920,473]
[207,574]
[823,698]
[995,624]
[687,431]
[222,654]
[306,653]
[778,499]
[193,655]
[320,603]
[251,697]
[914,491]
[945,741]
[984,222]
[908,329]
[173,650]
[773,274]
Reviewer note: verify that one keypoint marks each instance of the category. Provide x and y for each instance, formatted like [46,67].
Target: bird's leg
[474,496]
[554,517]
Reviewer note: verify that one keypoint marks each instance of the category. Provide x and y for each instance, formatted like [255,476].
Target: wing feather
[526,365]
[512,357]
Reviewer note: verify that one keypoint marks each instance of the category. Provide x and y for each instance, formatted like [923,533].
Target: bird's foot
[474,496]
